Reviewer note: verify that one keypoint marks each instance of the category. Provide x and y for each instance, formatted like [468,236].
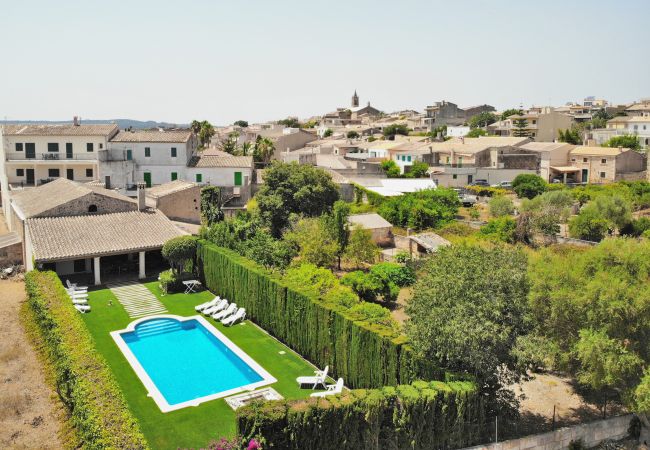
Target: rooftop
[60,130]
[75,237]
[430,241]
[545,146]
[221,161]
[598,151]
[172,187]
[369,221]
[38,200]
[154,136]
[475,145]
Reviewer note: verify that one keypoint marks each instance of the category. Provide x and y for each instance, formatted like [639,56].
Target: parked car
[503,185]
[480,183]
[466,199]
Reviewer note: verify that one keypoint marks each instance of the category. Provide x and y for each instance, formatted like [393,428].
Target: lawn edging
[82,379]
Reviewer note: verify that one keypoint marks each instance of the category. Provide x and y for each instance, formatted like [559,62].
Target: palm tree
[264,149]
[195,126]
[206,132]
[246,148]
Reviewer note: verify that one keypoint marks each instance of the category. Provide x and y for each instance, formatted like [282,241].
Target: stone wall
[80,206]
[11,254]
[184,206]
[591,434]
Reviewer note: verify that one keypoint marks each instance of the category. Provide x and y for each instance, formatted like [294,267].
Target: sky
[265,60]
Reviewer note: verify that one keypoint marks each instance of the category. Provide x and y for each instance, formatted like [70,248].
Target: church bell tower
[355,100]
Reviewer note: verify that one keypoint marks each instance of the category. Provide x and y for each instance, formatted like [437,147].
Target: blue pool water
[185,361]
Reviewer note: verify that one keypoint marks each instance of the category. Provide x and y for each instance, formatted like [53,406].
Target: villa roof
[545,146]
[60,130]
[369,221]
[222,161]
[38,200]
[75,237]
[172,187]
[597,151]
[471,146]
[154,136]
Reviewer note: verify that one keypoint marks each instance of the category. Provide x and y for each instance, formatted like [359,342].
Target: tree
[528,185]
[570,136]
[482,120]
[605,214]
[626,141]
[520,127]
[510,112]
[211,205]
[472,288]
[229,144]
[328,133]
[294,188]
[476,132]
[264,249]
[428,208]
[195,126]
[205,133]
[263,150]
[398,128]
[339,227]
[179,252]
[418,169]
[241,123]
[501,206]
[500,229]
[245,149]
[361,249]
[352,135]
[364,285]
[601,114]
[290,122]
[390,168]
[546,211]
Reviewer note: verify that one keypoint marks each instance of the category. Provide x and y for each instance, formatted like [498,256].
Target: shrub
[423,415]
[316,279]
[361,249]
[486,191]
[363,284]
[179,252]
[428,208]
[528,185]
[395,273]
[501,206]
[85,384]
[374,313]
[501,229]
[365,354]
[417,170]
[170,282]
[390,168]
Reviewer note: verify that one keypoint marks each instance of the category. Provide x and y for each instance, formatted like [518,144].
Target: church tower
[355,100]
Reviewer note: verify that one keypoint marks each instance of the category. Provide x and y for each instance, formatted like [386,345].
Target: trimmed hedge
[365,355]
[423,415]
[83,380]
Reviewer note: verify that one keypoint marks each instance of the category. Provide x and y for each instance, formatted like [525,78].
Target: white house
[32,155]
[152,156]
[457,131]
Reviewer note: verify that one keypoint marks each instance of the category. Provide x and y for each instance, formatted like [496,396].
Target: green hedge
[365,355]
[423,415]
[83,381]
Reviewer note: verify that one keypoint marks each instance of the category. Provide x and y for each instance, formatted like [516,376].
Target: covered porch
[565,173]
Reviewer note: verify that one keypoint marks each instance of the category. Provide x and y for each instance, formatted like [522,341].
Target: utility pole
[496,429]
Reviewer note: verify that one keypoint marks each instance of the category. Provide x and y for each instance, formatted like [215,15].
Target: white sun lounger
[78,295]
[226,312]
[239,315]
[79,301]
[72,290]
[332,389]
[319,378]
[223,304]
[82,308]
[209,304]
[74,285]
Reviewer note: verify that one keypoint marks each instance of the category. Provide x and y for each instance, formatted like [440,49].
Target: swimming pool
[184,361]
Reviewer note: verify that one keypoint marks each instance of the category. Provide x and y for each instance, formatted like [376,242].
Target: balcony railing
[23,156]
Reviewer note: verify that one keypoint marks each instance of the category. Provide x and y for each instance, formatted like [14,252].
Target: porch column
[141,266]
[98,280]
[564,177]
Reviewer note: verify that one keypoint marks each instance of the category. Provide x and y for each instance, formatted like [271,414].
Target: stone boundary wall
[591,434]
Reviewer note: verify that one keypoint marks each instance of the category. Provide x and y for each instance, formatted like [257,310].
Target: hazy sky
[264,60]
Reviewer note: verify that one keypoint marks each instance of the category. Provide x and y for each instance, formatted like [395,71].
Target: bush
[423,415]
[390,168]
[501,229]
[84,383]
[395,273]
[486,191]
[428,208]
[179,252]
[417,170]
[170,282]
[365,354]
[363,284]
[501,206]
[528,185]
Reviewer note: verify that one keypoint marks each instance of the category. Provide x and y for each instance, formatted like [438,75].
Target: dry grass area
[28,416]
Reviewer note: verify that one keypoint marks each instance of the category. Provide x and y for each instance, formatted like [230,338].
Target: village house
[637,125]
[380,228]
[605,164]
[554,158]
[178,200]
[540,125]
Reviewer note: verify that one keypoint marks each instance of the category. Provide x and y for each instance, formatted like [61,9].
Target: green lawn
[190,427]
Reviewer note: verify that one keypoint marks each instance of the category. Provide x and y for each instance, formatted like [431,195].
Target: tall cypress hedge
[366,355]
[83,380]
[423,415]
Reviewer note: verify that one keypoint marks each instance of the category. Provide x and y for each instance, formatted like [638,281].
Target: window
[19,146]
[603,161]
[585,160]
[173,152]
[199,178]
[92,208]
[454,176]
[147,152]
[602,174]
[238,179]
[573,160]
[53,173]
[89,147]
[53,147]
[174,176]
[79,265]
[68,150]
[101,146]
[409,158]
[89,173]
[20,172]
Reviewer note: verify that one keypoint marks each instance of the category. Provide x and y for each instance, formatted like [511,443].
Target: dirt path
[28,418]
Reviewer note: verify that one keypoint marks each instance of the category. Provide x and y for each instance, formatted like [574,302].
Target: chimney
[75,121]
[142,204]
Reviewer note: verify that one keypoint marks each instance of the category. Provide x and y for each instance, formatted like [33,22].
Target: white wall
[219,176]
[457,131]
